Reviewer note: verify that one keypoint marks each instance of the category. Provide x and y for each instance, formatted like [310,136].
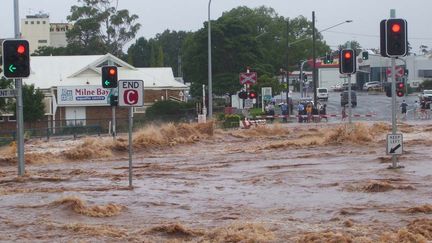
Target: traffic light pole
[394,109]
[113,109]
[19,103]
[349,100]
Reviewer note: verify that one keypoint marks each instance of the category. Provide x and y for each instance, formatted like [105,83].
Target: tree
[100,27]
[352,45]
[139,53]
[33,105]
[51,51]
[246,37]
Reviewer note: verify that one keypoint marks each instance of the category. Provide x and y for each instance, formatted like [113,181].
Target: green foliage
[231,121]
[34,108]
[169,110]
[256,112]
[427,84]
[99,27]
[246,37]
[352,45]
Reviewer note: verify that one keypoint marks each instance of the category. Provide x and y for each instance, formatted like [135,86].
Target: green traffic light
[107,83]
[12,68]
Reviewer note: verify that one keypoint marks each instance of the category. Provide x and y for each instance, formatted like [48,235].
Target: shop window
[12,118]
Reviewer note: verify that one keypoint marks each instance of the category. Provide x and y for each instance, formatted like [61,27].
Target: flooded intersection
[278,184]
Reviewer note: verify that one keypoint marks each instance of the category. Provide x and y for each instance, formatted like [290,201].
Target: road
[367,103]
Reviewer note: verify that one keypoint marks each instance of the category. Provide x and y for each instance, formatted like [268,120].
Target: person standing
[404,106]
[344,115]
[416,109]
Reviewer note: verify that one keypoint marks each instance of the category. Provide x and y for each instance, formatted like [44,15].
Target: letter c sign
[130,97]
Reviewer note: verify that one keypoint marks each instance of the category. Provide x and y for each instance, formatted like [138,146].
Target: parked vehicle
[322,94]
[337,87]
[426,95]
[373,85]
[344,98]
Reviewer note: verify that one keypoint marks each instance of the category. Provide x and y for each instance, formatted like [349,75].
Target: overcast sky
[189,15]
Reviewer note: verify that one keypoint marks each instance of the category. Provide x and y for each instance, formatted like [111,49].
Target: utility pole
[314,59]
[287,67]
[210,95]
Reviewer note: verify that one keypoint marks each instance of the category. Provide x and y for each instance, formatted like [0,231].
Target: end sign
[131,93]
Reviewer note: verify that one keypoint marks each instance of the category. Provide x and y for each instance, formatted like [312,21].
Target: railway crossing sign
[394,144]
[399,71]
[248,78]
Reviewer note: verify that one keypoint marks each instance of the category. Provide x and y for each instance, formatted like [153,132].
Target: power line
[373,36]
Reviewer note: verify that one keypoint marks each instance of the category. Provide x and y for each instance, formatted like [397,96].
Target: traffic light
[109,77]
[253,95]
[243,95]
[365,55]
[387,88]
[16,59]
[400,89]
[396,37]
[347,61]
[328,59]
[113,100]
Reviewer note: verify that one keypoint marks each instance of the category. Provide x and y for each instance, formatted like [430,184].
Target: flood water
[285,183]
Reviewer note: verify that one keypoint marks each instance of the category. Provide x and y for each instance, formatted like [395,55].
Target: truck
[331,78]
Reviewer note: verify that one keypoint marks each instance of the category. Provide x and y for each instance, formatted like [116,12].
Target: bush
[256,112]
[171,111]
[427,84]
[231,121]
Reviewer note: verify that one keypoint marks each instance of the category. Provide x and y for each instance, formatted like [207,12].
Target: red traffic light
[396,28]
[401,85]
[400,94]
[253,95]
[112,71]
[21,49]
[347,55]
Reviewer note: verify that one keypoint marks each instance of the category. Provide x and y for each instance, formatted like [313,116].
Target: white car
[427,95]
[374,85]
[322,94]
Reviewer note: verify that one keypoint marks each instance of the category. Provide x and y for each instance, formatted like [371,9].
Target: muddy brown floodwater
[275,183]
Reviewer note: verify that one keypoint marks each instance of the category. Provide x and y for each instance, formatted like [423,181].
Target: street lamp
[210,97]
[314,81]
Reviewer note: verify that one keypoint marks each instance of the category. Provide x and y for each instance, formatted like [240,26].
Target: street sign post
[248,78]
[131,94]
[8,93]
[394,144]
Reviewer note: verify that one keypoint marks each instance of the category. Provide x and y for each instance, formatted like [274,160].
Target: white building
[38,30]
[73,87]
[377,67]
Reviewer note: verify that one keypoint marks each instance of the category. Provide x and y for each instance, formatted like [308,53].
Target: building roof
[52,71]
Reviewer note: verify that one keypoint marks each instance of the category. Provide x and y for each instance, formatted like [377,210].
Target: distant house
[73,88]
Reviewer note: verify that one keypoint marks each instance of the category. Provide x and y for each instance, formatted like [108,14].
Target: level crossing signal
[400,89]
[16,59]
[253,95]
[109,77]
[347,61]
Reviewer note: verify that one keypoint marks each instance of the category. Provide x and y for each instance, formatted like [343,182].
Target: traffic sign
[399,71]
[8,93]
[394,144]
[248,78]
[131,93]
[248,103]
